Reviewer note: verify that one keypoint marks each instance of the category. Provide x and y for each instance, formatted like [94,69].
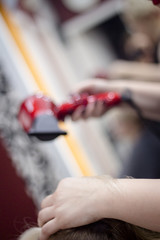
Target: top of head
[105,229]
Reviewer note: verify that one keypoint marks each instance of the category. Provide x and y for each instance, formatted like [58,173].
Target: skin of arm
[131,70]
[146,95]
[79,201]
[139,203]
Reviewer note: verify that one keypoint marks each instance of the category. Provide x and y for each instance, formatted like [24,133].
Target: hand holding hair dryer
[39,116]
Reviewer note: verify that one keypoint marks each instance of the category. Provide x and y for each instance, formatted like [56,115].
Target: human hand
[76,202]
[93,108]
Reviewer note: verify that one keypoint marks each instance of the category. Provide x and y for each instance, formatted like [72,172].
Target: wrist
[118,86]
[110,196]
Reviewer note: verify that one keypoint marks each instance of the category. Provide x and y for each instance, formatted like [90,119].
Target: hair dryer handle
[110,99]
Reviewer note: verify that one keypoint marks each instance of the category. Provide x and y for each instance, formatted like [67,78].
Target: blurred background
[49,46]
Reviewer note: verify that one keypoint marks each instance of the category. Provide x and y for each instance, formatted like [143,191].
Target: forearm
[145,95]
[80,201]
[134,70]
[137,201]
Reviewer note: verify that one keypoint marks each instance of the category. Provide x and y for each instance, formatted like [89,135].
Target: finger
[45,215]
[47,201]
[89,110]
[48,229]
[99,109]
[78,113]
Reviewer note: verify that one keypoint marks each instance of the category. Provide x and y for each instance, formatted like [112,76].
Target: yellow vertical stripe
[15,31]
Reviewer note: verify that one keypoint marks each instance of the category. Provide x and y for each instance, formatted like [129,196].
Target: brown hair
[106,229]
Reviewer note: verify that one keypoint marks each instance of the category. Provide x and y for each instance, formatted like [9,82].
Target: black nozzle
[45,128]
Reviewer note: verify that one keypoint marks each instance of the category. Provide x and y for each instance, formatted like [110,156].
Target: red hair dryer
[38,114]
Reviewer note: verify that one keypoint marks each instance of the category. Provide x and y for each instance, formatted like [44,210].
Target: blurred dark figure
[139,164]
[136,144]
[135,36]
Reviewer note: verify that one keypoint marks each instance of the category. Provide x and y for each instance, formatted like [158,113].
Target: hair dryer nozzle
[45,128]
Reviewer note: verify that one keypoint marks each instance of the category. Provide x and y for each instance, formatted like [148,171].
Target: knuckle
[45,230]
[40,215]
[65,182]
[42,203]
[62,189]
[40,221]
